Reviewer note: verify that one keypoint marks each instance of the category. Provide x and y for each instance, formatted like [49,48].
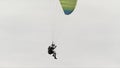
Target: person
[51,50]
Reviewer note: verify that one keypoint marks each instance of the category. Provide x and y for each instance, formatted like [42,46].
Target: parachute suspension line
[68,7]
[53,30]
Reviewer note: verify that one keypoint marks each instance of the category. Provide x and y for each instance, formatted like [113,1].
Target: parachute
[68,6]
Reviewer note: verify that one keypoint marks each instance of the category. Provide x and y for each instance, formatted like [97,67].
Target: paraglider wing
[68,6]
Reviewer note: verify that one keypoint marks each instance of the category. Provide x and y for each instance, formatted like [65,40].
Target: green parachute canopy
[68,6]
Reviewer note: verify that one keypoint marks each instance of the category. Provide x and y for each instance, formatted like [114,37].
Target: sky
[88,38]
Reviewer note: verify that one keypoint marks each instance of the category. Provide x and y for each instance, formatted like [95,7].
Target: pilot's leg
[54,55]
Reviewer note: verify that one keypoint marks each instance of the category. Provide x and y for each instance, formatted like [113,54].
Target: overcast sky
[89,37]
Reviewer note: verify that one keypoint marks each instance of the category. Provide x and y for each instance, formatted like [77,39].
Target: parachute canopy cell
[68,6]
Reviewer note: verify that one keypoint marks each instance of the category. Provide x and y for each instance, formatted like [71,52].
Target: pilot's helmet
[53,44]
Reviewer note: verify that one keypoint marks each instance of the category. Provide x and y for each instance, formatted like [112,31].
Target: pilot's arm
[55,46]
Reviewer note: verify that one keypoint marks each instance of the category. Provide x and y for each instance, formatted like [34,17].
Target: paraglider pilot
[51,50]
